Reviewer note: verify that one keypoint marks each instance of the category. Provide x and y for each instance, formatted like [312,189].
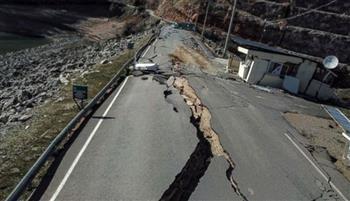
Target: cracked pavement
[222,141]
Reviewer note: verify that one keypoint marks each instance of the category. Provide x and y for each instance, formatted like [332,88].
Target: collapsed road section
[208,147]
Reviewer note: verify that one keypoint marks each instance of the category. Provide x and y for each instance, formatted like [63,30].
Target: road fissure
[209,140]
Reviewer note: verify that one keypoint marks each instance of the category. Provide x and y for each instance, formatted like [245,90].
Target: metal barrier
[29,176]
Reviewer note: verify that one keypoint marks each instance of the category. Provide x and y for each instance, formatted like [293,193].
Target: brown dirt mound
[189,56]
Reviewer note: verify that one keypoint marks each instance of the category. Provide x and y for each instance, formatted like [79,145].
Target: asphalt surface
[253,131]
[140,139]
[136,152]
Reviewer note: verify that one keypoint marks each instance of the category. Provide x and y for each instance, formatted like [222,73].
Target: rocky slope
[319,33]
[79,40]
[31,76]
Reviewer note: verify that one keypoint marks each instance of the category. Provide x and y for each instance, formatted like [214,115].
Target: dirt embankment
[324,135]
[192,57]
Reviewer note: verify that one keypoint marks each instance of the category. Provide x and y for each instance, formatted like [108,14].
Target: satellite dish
[330,62]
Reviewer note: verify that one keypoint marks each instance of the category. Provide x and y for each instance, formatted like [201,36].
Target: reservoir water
[12,42]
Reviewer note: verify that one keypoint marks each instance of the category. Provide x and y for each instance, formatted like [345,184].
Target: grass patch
[22,146]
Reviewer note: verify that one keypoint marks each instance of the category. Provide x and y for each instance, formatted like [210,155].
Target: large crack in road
[208,147]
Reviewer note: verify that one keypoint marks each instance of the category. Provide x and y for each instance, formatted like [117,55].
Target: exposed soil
[189,56]
[322,134]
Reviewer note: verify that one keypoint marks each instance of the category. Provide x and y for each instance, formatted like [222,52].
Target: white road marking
[143,55]
[316,167]
[92,134]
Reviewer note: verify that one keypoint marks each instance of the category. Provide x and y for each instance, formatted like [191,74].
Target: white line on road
[92,134]
[316,167]
[143,55]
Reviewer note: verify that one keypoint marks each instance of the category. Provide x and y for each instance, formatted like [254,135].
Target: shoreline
[12,42]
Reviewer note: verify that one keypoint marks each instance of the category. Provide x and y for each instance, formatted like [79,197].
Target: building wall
[272,81]
[305,73]
[257,70]
[320,91]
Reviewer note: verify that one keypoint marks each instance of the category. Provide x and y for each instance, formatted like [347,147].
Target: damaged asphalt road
[145,150]
[139,151]
[209,146]
[253,131]
[196,138]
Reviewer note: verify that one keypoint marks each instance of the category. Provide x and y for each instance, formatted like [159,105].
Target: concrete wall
[257,70]
[291,84]
[305,73]
[272,81]
[320,91]
[243,70]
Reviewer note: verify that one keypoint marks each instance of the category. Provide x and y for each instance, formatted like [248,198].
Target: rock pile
[30,77]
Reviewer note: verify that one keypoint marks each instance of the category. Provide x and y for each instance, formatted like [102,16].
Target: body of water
[12,42]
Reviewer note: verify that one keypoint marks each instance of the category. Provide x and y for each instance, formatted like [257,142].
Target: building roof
[253,45]
[271,56]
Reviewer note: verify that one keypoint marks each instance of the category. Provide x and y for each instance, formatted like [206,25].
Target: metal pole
[230,28]
[346,155]
[205,19]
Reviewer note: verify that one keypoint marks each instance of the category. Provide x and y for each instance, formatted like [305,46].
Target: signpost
[80,93]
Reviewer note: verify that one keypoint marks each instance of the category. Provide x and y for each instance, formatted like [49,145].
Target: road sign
[80,92]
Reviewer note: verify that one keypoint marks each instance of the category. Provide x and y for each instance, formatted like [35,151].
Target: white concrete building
[296,74]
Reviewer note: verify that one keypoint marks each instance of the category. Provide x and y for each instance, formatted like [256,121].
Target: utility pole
[205,19]
[230,27]
[197,13]
[196,23]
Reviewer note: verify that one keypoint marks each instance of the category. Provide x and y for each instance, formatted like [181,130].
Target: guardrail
[33,171]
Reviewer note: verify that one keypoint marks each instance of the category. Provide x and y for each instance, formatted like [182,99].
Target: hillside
[53,1]
[293,25]
[318,33]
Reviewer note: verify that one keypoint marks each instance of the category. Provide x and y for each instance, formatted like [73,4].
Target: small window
[283,69]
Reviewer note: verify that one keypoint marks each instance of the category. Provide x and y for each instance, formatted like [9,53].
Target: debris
[325,138]
[261,88]
[137,73]
[170,81]
[190,56]
[14,170]
[63,80]
[146,67]
[105,61]
[25,117]
[161,79]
